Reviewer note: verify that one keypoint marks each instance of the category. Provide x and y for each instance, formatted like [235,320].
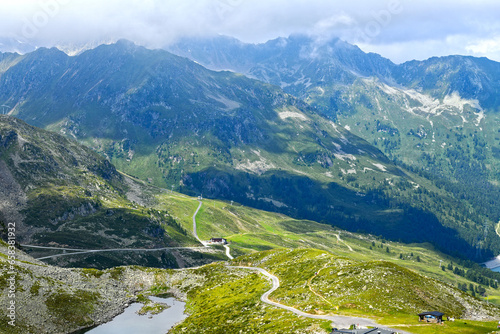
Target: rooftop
[434,313]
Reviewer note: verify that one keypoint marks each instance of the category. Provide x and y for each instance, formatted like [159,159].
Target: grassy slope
[404,127]
[316,281]
[448,140]
[64,194]
[222,300]
[228,301]
[250,230]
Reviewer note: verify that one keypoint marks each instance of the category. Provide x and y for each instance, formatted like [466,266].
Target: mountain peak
[125,43]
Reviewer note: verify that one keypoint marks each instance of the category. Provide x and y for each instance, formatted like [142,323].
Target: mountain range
[399,108]
[301,64]
[319,130]
[438,117]
[315,131]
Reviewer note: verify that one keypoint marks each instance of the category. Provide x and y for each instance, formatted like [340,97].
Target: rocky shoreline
[43,292]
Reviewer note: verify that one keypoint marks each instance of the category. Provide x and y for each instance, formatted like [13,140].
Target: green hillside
[336,288]
[345,263]
[437,118]
[312,280]
[451,141]
[316,280]
[250,230]
[62,194]
[172,122]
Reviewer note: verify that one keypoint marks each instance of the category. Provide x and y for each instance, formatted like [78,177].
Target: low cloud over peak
[398,29]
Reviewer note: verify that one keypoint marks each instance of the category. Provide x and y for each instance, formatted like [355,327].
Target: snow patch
[334,126]
[454,100]
[430,105]
[344,156]
[292,114]
[388,89]
[480,116]
[344,140]
[380,166]
[21,141]
[340,154]
[433,106]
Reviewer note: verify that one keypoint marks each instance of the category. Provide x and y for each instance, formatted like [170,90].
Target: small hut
[218,241]
[433,317]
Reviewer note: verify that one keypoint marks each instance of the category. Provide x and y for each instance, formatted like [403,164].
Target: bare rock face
[12,201]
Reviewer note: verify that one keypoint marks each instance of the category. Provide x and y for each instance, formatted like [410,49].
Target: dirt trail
[338,320]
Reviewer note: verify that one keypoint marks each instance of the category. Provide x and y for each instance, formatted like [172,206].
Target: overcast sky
[397,29]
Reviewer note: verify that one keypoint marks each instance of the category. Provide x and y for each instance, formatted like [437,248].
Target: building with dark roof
[218,241]
[434,317]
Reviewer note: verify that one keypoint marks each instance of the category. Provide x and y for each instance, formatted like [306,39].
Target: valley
[255,237]
[286,264]
[292,186]
[225,136]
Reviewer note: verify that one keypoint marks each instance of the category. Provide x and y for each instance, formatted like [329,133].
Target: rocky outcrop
[51,300]
[12,201]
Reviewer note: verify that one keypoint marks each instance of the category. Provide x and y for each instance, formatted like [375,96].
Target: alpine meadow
[249,167]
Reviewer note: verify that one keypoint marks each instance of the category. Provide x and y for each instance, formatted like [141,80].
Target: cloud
[398,29]
[484,46]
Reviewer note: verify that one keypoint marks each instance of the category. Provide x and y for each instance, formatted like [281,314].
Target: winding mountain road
[342,241]
[228,250]
[228,254]
[338,320]
[194,224]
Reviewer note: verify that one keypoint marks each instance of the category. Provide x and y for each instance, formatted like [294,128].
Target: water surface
[129,322]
